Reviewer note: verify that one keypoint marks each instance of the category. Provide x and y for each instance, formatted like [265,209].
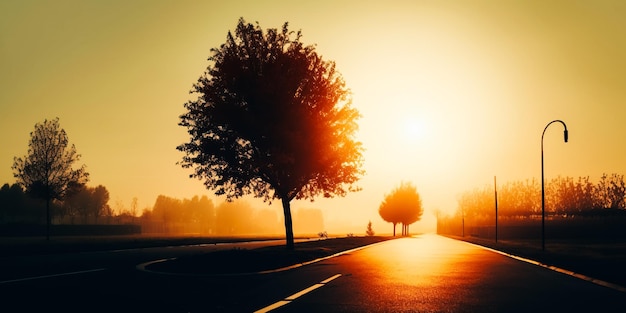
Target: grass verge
[600,260]
[241,261]
[14,246]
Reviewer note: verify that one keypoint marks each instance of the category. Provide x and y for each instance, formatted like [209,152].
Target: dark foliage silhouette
[88,204]
[576,208]
[47,170]
[272,119]
[564,196]
[16,207]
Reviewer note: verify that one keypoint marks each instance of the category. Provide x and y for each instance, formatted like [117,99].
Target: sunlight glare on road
[409,267]
[401,253]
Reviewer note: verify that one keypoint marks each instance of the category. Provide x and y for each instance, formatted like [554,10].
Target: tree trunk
[394,229]
[288,223]
[48,219]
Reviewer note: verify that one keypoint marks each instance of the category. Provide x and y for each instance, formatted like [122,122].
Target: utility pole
[462,222]
[495,191]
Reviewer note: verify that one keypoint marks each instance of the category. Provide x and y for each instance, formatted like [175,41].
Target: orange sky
[452,93]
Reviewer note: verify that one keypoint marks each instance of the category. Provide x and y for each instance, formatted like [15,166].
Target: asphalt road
[426,273]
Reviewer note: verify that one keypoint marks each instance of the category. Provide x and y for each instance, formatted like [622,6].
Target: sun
[412,129]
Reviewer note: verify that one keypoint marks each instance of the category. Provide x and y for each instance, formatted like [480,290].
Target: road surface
[426,273]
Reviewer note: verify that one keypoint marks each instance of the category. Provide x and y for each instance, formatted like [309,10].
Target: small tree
[403,205]
[272,119]
[369,231]
[47,170]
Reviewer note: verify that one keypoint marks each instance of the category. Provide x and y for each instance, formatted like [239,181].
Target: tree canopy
[403,205]
[47,170]
[272,119]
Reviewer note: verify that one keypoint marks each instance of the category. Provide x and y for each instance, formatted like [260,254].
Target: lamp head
[565,135]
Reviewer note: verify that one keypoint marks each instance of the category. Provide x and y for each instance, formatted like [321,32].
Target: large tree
[272,119]
[403,205]
[47,171]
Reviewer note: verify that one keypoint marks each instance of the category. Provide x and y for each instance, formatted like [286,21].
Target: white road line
[272,307]
[296,295]
[557,269]
[329,279]
[49,276]
[303,292]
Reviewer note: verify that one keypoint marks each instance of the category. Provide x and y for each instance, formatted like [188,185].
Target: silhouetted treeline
[564,196]
[89,205]
[569,203]
[199,215]
[170,215]
[85,205]
[16,207]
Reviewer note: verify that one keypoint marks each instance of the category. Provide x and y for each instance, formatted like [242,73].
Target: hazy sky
[452,93]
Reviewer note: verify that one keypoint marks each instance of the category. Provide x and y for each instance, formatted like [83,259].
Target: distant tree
[8,202]
[77,205]
[612,191]
[198,214]
[134,207]
[88,203]
[308,221]
[17,207]
[107,212]
[171,215]
[389,214]
[47,170]
[272,119]
[402,206]
[267,222]
[585,195]
[234,218]
[413,210]
[99,202]
[369,231]
[167,211]
[565,196]
[206,214]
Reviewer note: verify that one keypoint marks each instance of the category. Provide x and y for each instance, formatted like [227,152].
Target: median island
[267,259]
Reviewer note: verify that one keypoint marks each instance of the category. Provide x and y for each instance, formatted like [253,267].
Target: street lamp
[543,192]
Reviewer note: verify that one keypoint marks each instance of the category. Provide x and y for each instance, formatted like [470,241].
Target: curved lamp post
[543,192]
